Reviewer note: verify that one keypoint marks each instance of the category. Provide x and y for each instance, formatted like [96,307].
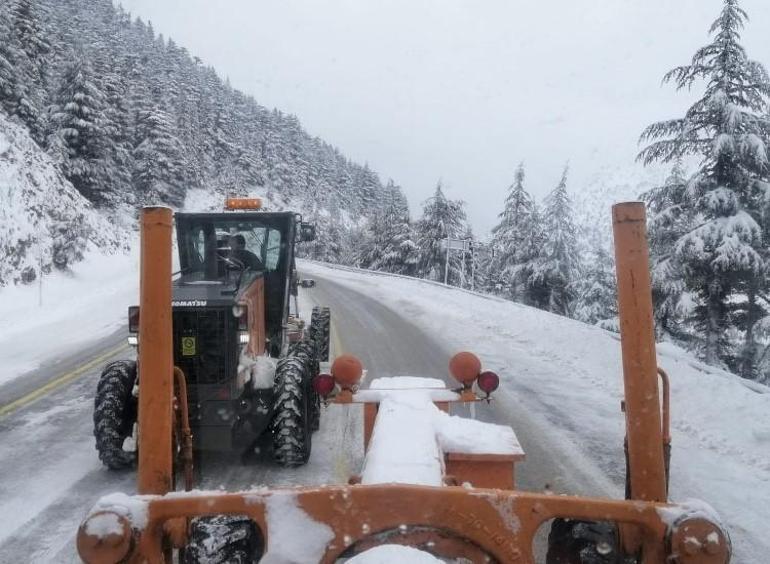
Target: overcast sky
[459,90]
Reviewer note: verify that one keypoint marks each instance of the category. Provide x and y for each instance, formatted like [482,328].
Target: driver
[238,252]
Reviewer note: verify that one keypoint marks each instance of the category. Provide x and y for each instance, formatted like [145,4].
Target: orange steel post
[155,354]
[643,419]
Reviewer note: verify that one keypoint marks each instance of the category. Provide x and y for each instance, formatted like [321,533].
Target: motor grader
[451,494]
[247,358]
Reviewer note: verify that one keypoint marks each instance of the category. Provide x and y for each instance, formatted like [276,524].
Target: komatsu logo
[189,303]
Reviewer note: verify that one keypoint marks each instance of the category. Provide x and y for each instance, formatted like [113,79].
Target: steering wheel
[233,263]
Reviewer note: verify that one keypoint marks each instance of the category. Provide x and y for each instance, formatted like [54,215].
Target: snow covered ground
[68,311]
[569,375]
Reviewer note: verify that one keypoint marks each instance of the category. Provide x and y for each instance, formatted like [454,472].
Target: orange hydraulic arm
[156,361]
[637,337]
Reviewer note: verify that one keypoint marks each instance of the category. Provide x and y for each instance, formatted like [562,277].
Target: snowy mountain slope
[568,374]
[44,221]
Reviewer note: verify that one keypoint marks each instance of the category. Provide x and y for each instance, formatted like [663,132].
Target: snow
[389,553]
[404,448]
[407,411]
[405,383]
[260,371]
[293,536]
[43,218]
[104,525]
[569,375]
[133,508]
[69,311]
[461,435]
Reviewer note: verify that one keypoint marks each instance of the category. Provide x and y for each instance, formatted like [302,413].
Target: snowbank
[568,374]
[67,311]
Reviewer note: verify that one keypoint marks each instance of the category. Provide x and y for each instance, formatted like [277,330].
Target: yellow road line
[335,337]
[59,382]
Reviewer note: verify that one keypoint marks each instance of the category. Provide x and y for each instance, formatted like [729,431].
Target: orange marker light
[243,204]
[465,367]
[347,371]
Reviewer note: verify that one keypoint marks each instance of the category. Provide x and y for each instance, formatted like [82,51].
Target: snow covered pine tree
[722,256]
[554,268]
[441,218]
[512,242]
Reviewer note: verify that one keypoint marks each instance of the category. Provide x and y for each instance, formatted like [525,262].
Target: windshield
[214,247]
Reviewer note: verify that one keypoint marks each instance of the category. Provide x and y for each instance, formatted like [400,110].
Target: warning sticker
[188,346]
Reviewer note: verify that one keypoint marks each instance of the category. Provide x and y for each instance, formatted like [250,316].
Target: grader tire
[292,420]
[115,411]
[223,539]
[583,542]
[320,331]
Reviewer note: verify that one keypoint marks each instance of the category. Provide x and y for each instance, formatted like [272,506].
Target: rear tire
[223,539]
[292,419]
[320,331]
[583,542]
[115,411]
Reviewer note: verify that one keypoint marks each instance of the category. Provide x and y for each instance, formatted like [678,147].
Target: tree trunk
[714,324]
[749,352]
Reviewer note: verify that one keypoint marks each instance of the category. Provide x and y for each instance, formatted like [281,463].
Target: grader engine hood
[213,323]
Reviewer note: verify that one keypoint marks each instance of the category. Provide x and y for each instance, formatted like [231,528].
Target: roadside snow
[68,311]
[569,376]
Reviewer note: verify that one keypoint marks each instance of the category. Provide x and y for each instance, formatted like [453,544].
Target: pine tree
[510,239]
[8,76]
[390,246]
[78,117]
[553,271]
[28,47]
[441,219]
[159,169]
[720,256]
[670,218]
[594,286]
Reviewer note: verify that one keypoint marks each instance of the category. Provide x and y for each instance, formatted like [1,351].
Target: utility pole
[446,265]
[473,266]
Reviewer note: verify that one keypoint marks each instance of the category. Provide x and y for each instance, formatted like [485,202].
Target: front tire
[583,542]
[115,411]
[223,539]
[292,419]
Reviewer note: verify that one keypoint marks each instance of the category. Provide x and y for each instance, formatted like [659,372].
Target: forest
[131,118]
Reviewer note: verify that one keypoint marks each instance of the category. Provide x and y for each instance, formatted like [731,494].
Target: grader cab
[246,357]
[430,481]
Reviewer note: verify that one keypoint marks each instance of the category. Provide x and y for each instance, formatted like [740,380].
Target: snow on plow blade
[340,521]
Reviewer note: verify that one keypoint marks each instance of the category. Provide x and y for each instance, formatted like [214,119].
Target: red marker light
[488,382]
[323,384]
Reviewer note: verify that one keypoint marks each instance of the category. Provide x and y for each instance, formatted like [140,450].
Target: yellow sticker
[188,346]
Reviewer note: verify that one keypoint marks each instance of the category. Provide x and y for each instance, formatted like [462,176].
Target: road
[50,475]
